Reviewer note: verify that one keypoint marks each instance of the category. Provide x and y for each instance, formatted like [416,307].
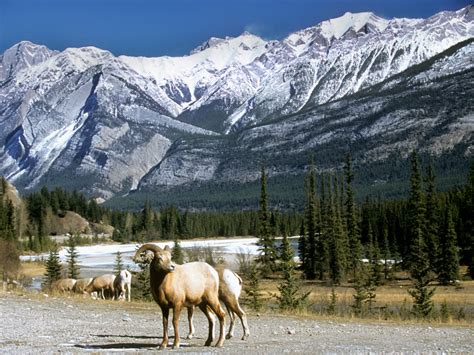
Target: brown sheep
[81,285]
[101,284]
[63,285]
[230,287]
[177,286]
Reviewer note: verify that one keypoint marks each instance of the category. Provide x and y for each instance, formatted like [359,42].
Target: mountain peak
[246,38]
[336,27]
[22,55]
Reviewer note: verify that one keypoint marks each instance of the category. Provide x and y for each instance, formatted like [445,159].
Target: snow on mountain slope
[342,56]
[201,68]
[111,121]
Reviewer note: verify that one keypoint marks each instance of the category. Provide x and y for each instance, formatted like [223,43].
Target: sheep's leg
[190,322]
[166,313]
[176,313]
[243,319]
[210,319]
[230,333]
[219,312]
[129,289]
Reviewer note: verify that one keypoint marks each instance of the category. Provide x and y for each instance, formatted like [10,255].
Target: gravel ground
[38,324]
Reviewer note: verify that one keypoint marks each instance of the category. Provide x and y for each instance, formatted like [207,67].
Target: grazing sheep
[81,285]
[230,287]
[123,285]
[177,286]
[63,285]
[101,284]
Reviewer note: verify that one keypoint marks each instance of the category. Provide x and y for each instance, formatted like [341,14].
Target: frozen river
[102,257]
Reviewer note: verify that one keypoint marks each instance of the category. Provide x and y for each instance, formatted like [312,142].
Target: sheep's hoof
[208,342]
[220,344]
[228,336]
[163,346]
[245,336]
[190,336]
[175,346]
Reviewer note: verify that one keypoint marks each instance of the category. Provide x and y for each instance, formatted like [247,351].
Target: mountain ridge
[127,123]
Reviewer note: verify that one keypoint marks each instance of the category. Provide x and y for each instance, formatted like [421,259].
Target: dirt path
[38,324]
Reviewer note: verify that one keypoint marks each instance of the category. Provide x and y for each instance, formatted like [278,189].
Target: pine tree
[266,240]
[289,288]
[142,287]
[449,260]
[302,246]
[177,252]
[53,268]
[336,248]
[418,257]
[322,245]
[146,222]
[118,267]
[418,260]
[373,255]
[431,225]
[386,255]
[72,254]
[253,289]
[355,248]
[312,237]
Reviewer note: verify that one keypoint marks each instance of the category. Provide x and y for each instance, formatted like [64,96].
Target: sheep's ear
[167,248]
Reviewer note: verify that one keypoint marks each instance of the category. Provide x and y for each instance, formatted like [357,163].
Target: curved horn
[154,248]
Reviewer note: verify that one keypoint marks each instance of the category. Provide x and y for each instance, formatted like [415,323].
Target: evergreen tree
[302,246]
[53,268]
[468,219]
[336,248]
[177,252]
[147,219]
[422,297]
[431,225]
[309,265]
[72,254]
[449,261]
[386,255]
[322,245]
[142,286]
[118,267]
[418,258]
[289,288]
[266,240]
[253,289]
[373,255]
[355,248]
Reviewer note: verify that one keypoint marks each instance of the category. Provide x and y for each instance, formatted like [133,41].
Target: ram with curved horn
[182,286]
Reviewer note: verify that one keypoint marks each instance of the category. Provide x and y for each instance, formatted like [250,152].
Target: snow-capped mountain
[85,119]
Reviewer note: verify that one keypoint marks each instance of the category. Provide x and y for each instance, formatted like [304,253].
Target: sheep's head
[161,257]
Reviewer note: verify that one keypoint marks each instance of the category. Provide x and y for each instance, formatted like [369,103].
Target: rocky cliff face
[107,125]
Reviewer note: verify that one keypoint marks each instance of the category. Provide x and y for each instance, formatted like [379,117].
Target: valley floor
[34,323]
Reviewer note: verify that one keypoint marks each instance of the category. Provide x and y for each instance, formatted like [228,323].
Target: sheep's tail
[238,278]
[154,248]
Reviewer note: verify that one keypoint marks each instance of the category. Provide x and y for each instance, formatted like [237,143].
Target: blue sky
[174,27]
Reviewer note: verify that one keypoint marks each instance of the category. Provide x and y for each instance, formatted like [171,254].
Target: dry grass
[31,269]
[392,302]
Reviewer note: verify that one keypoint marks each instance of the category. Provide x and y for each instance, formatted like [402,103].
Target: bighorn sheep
[63,285]
[81,285]
[177,286]
[101,284]
[123,285]
[230,287]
